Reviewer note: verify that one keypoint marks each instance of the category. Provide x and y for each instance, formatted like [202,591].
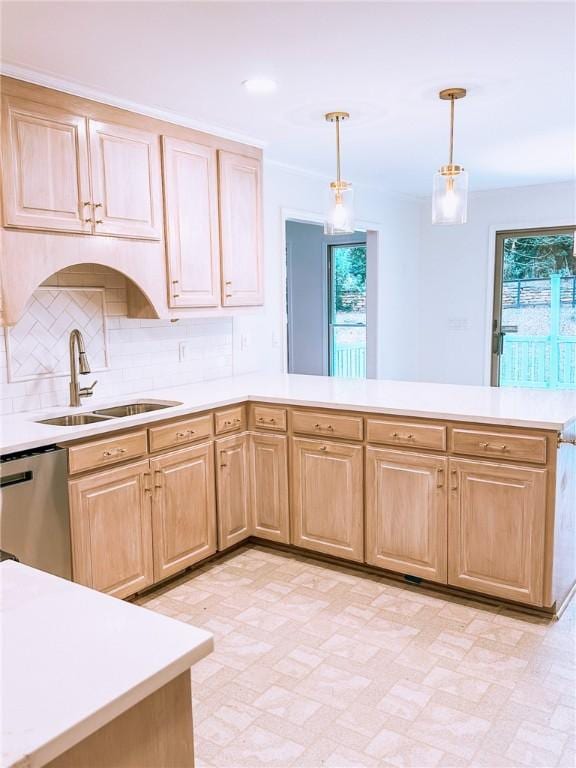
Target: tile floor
[317,665]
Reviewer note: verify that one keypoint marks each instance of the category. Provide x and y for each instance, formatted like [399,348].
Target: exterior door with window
[347,307]
[534,320]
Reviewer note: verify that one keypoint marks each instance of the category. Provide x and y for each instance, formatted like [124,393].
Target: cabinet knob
[323,447]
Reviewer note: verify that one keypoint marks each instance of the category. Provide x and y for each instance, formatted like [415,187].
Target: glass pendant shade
[340,214]
[450,198]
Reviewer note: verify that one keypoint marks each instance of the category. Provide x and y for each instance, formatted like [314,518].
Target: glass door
[347,307]
[534,321]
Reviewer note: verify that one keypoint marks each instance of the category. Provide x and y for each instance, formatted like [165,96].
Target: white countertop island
[530,408]
[74,659]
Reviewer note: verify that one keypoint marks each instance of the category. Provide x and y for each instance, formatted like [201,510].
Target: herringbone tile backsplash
[126,355]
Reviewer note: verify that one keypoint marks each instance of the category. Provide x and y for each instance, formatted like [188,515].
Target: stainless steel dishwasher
[34,514]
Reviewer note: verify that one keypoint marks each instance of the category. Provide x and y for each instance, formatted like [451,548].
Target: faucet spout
[83,366]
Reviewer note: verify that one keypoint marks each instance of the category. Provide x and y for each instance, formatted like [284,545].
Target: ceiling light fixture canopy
[340,215]
[450,188]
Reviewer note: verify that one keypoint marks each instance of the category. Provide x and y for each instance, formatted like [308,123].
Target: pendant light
[340,217]
[450,190]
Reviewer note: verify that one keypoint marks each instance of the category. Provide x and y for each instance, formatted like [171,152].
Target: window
[347,307]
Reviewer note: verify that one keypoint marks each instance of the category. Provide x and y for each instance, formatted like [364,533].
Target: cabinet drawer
[328,425]
[266,417]
[230,420]
[110,450]
[504,445]
[180,433]
[406,434]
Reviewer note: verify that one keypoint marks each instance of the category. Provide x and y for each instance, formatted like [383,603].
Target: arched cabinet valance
[31,259]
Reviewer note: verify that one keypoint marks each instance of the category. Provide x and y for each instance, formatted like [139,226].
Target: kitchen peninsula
[473,488]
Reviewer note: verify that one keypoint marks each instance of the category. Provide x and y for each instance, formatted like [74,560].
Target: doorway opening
[326,297]
[534,316]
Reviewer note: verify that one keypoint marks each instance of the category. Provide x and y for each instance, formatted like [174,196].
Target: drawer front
[110,450]
[180,433]
[230,420]
[328,425]
[406,434]
[266,417]
[499,445]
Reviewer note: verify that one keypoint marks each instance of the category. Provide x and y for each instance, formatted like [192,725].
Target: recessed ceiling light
[260,85]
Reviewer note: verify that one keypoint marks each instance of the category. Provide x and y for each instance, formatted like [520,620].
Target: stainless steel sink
[133,409]
[73,420]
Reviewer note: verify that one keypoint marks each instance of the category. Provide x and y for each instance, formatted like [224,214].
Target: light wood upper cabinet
[184,509]
[233,486]
[327,497]
[496,529]
[126,181]
[240,183]
[269,487]
[111,526]
[191,211]
[406,513]
[45,167]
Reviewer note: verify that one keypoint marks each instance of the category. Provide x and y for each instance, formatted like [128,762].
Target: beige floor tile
[316,665]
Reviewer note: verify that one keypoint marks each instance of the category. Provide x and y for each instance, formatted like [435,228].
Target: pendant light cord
[451,130]
[338,149]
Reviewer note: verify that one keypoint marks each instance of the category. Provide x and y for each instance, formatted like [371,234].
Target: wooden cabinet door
[191,212]
[111,527]
[184,509]
[240,181]
[496,529]
[126,181]
[327,498]
[233,486]
[269,487]
[406,513]
[45,167]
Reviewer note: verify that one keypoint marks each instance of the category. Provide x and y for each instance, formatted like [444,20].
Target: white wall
[263,331]
[456,274]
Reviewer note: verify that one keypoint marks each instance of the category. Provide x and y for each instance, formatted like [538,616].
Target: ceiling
[382,62]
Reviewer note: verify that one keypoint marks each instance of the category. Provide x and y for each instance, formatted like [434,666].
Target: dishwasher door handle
[16,479]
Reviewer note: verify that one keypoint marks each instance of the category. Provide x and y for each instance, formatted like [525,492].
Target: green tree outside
[539,256]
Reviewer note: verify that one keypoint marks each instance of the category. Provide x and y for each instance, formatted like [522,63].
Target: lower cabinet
[496,529]
[269,487]
[184,509]
[233,486]
[111,526]
[406,513]
[328,497]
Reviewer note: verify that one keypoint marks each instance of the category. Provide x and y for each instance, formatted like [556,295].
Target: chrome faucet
[76,391]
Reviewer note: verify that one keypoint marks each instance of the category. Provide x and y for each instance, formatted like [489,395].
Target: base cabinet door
[328,498]
[126,181]
[406,513]
[111,527]
[240,185]
[184,509]
[269,487]
[233,487]
[496,529]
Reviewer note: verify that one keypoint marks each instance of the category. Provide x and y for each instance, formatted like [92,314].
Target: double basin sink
[104,414]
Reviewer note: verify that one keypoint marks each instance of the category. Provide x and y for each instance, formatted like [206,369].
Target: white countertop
[74,659]
[536,408]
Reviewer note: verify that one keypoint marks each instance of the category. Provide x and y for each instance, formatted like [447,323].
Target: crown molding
[84,91]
